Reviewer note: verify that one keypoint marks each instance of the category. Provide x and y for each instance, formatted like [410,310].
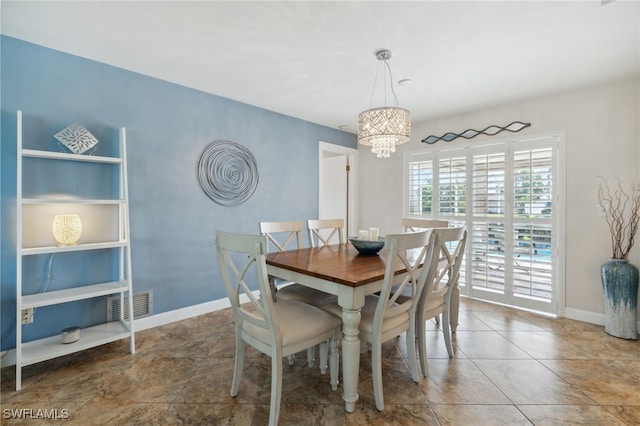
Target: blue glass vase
[620,285]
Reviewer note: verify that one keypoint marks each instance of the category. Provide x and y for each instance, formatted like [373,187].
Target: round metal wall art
[228,173]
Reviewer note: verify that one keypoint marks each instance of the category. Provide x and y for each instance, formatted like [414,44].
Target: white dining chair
[277,329]
[436,296]
[282,235]
[411,224]
[323,232]
[383,317]
[287,235]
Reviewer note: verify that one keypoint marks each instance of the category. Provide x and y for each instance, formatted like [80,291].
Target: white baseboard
[590,317]
[584,316]
[164,318]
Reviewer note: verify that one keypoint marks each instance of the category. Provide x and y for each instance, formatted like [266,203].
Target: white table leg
[350,356]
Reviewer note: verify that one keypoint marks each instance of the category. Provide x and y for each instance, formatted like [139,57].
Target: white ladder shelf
[42,206]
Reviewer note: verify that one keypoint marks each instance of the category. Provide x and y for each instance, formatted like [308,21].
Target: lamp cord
[44,289]
[49,275]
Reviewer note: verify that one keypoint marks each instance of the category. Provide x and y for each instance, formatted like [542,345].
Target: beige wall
[602,127]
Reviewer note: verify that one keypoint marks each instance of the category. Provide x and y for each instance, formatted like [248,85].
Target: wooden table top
[340,263]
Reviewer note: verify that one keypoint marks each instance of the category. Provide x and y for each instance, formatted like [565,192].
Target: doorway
[337,184]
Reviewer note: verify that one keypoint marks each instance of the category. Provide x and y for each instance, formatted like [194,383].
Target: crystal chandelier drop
[386,127]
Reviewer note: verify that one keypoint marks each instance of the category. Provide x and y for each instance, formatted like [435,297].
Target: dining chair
[287,235]
[292,291]
[383,317]
[437,293]
[277,329]
[323,232]
[410,224]
[282,236]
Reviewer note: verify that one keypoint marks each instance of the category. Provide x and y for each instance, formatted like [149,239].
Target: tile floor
[509,368]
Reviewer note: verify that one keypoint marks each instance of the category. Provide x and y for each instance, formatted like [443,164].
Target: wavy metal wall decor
[228,173]
[516,126]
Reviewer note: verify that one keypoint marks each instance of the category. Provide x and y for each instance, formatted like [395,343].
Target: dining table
[338,269]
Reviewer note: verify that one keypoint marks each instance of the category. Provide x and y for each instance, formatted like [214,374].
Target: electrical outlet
[27,316]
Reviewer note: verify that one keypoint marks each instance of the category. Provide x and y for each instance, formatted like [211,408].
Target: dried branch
[632,226]
[614,204]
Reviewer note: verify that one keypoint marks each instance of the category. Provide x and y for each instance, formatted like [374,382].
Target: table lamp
[67,229]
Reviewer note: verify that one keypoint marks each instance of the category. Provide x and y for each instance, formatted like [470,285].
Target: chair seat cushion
[298,321]
[435,299]
[366,315]
[305,294]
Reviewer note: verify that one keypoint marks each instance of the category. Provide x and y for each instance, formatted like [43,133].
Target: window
[508,196]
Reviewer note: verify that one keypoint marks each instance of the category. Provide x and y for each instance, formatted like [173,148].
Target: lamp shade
[67,228]
[384,128]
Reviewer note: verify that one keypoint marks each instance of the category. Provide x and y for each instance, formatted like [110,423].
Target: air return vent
[142,306]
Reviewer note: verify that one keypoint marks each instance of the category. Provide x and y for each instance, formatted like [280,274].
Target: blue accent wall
[168,126]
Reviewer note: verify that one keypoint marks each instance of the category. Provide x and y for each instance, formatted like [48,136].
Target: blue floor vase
[620,285]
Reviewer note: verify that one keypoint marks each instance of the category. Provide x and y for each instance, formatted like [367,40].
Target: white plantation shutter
[507,195]
[487,241]
[489,184]
[532,260]
[533,235]
[533,183]
[489,207]
[420,187]
[452,186]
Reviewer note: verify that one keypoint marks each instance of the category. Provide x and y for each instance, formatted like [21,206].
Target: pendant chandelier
[385,127]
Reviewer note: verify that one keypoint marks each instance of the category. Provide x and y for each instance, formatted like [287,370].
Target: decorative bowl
[367,246]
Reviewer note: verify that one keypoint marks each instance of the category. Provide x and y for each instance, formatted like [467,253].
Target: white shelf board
[69,295]
[69,201]
[52,347]
[80,247]
[34,153]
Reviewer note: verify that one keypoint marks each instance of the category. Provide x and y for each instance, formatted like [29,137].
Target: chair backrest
[281,234]
[241,259]
[416,252]
[449,251]
[325,231]
[410,224]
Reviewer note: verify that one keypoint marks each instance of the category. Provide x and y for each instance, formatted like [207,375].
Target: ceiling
[315,60]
